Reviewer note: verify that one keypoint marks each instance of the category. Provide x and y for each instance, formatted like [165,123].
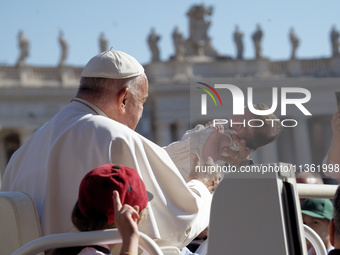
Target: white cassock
[51,164]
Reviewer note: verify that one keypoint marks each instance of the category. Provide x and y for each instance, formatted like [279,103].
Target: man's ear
[122,97]
[331,232]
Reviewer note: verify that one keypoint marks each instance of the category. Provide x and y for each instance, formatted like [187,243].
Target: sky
[127,24]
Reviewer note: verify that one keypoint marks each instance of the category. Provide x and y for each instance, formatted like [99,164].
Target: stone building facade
[30,95]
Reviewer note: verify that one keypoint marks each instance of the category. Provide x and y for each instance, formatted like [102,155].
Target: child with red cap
[110,196]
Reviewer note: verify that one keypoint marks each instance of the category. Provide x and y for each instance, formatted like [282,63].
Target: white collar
[89,105]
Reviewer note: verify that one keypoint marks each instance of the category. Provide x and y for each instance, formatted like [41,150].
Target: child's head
[256,137]
[94,209]
[317,214]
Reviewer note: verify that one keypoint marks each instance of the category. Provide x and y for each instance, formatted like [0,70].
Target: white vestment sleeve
[179,211]
[203,216]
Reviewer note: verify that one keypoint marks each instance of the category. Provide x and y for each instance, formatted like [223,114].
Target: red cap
[95,191]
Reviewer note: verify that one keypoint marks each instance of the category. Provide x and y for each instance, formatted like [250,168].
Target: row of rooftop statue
[24,48]
[198,43]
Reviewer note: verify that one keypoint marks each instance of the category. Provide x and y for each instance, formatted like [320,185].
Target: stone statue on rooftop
[238,42]
[24,48]
[178,41]
[103,43]
[198,23]
[335,41]
[198,42]
[294,42]
[153,45]
[257,39]
[64,48]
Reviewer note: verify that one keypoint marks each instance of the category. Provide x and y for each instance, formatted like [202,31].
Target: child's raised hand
[125,218]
